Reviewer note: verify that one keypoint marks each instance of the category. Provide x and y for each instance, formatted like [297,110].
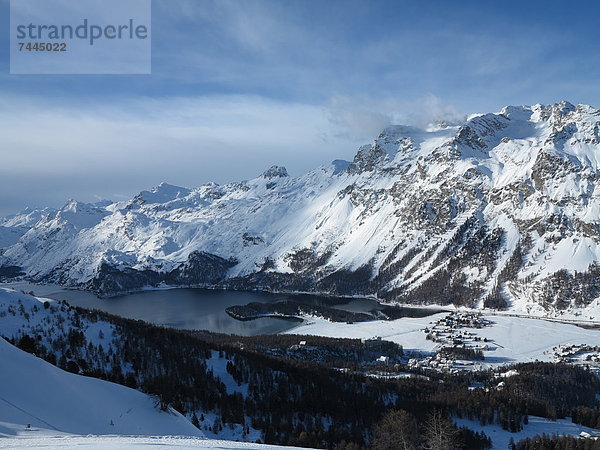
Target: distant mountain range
[501,211]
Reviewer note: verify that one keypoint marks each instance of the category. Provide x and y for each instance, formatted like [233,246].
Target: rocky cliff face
[502,211]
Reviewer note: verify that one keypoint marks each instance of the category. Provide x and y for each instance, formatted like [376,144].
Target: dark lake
[201,309]
[204,309]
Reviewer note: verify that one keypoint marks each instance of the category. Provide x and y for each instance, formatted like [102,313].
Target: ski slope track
[500,211]
[36,393]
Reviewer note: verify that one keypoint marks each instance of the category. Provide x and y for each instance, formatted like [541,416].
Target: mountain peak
[166,187]
[275,172]
[564,107]
[162,193]
[340,165]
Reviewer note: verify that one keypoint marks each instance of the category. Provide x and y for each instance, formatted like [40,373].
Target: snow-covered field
[516,339]
[42,439]
[537,425]
[406,331]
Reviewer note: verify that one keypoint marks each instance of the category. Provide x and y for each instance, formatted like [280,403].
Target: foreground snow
[35,392]
[43,439]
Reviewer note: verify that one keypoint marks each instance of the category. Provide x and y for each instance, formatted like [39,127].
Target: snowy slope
[14,226]
[35,392]
[499,211]
[60,406]
[42,406]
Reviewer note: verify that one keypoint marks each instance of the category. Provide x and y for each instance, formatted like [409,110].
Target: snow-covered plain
[537,425]
[406,331]
[517,339]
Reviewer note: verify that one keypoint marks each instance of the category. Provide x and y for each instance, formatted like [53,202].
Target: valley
[395,355]
[447,273]
[496,212]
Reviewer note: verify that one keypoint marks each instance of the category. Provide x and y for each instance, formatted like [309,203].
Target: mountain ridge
[501,211]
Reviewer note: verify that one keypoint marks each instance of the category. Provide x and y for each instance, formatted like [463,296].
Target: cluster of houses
[443,362]
[450,331]
[581,355]
[436,362]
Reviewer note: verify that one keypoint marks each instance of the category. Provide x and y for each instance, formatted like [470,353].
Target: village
[457,348]
[580,355]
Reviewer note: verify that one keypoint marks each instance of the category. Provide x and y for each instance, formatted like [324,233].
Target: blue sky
[239,85]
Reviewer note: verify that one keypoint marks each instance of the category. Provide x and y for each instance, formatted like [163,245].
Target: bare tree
[440,433]
[397,430]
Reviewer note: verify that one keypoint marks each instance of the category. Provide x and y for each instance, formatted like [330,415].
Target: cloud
[361,117]
[431,109]
[55,150]
[105,149]
[356,118]
[238,86]
[479,58]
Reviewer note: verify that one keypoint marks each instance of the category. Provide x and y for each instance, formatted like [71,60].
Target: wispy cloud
[127,147]
[361,117]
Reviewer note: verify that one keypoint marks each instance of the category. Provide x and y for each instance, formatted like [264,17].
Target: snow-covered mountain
[502,210]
